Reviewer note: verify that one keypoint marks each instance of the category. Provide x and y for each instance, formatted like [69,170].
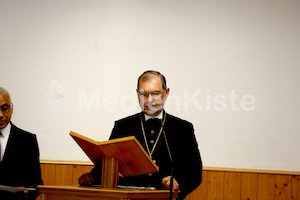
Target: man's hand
[86,179]
[167,181]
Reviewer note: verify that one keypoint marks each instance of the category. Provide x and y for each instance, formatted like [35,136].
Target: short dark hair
[145,77]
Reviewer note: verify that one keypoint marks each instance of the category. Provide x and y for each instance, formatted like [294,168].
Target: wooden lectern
[124,155]
[93,193]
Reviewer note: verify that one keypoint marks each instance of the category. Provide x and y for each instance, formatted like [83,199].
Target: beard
[151,110]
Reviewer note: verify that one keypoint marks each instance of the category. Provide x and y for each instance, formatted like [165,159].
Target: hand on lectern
[86,179]
[166,182]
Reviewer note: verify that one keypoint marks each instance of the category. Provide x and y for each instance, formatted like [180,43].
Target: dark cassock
[160,138]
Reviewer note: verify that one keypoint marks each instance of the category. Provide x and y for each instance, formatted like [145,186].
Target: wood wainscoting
[217,184]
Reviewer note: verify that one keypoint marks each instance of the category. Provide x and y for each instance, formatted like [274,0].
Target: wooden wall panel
[249,187]
[283,187]
[48,174]
[199,193]
[266,185]
[232,186]
[215,185]
[78,170]
[295,187]
[63,175]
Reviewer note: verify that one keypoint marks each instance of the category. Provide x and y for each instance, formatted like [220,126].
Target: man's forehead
[150,84]
[4,99]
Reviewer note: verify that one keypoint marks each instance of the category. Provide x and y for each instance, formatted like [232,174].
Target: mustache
[154,107]
[151,104]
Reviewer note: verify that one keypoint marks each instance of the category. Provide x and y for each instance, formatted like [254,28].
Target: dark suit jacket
[20,165]
[187,164]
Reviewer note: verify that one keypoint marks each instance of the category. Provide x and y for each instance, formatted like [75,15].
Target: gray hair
[4,91]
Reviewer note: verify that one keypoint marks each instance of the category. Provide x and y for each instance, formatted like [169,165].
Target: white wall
[73,65]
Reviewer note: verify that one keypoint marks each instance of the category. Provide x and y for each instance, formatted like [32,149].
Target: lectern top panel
[133,159]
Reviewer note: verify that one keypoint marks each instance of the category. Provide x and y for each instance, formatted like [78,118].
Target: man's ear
[12,107]
[167,92]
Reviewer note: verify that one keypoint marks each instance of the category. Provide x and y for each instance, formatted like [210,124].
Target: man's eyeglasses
[5,108]
[153,94]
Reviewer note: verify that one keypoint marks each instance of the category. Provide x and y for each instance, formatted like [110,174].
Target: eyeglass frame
[153,94]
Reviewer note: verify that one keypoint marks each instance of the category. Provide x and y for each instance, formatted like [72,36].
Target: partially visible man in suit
[19,154]
[170,141]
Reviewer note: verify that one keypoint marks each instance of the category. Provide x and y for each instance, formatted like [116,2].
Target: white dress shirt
[4,139]
[159,116]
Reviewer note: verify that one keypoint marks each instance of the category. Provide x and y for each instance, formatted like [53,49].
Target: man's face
[6,110]
[152,96]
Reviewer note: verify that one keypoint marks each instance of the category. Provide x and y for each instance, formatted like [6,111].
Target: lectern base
[91,193]
[109,172]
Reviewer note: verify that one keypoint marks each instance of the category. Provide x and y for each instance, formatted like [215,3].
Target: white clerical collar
[159,116]
[6,130]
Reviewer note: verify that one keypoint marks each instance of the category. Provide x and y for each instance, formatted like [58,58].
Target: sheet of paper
[130,187]
[15,189]
[135,187]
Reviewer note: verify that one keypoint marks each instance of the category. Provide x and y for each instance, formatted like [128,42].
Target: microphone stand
[170,155]
[171,184]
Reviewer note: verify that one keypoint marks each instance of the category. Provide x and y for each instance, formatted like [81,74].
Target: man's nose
[150,98]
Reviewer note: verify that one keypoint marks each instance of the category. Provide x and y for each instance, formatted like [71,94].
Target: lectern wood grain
[91,193]
[132,158]
[109,172]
